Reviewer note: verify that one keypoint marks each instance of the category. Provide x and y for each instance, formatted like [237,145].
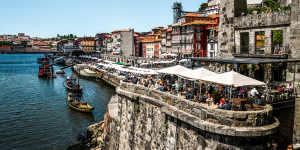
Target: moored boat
[79,105]
[72,86]
[60,71]
[46,71]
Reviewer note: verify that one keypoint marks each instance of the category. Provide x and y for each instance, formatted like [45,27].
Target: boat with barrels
[72,85]
[46,71]
[76,104]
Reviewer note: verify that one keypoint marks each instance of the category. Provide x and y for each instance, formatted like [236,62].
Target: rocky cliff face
[134,121]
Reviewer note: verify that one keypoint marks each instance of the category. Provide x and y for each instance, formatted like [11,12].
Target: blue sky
[47,18]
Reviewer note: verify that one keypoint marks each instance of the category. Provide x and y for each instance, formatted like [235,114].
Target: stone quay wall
[136,121]
[142,118]
[217,116]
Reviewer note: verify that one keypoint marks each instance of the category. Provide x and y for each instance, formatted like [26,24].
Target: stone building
[190,34]
[252,36]
[127,43]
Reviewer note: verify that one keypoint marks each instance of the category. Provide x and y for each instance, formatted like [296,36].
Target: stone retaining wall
[217,116]
[136,121]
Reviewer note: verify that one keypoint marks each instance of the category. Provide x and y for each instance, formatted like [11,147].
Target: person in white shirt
[254,92]
[290,89]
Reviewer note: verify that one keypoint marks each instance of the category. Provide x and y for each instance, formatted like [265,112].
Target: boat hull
[80,109]
[87,109]
[76,90]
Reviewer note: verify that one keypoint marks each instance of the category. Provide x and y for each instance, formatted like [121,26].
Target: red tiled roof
[199,22]
[214,16]
[192,15]
[157,28]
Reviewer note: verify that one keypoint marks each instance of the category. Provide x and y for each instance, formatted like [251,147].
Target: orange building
[87,44]
[190,34]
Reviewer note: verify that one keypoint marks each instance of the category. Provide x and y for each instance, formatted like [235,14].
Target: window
[198,46]
[244,43]
[277,40]
[198,36]
[212,46]
[259,42]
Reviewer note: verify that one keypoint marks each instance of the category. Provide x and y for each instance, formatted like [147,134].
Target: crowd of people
[208,93]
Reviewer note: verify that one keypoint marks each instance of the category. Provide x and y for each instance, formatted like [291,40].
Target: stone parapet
[231,123]
[217,116]
[263,20]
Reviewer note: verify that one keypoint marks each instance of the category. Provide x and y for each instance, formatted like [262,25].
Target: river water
[33,111]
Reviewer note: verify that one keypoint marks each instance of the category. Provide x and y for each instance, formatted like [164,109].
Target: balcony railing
[264,19]
[280,50]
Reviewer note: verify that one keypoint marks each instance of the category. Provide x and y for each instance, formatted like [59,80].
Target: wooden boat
[60,71]
[43,60]
[88,73]
[72,86]
[79,105]
[46,71]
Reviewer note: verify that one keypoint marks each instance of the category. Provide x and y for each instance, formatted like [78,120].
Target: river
[33,111]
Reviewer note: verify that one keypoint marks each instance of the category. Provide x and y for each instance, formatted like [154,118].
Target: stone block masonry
[137,121]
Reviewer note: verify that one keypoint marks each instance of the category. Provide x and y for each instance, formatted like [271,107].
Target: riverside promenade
[149,115]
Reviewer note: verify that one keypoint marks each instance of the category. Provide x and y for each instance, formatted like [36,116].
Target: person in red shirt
[280,89]
[221,103]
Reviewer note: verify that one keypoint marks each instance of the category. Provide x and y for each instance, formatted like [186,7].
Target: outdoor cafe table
[242,102]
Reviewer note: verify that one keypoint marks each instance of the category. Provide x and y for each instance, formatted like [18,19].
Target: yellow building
[88,44]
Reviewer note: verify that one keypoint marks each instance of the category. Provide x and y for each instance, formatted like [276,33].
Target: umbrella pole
[230,94]
[200,88]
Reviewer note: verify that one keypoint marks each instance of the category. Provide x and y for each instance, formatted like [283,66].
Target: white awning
[197,74]
[233,79]
[173,70]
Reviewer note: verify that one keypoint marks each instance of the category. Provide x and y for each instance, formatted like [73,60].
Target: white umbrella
[233,79]
[173,70]
[197,74]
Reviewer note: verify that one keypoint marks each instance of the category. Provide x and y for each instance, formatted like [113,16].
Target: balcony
[265,19]
[186,41]
[248,51]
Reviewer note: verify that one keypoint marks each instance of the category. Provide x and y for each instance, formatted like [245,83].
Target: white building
[213,7]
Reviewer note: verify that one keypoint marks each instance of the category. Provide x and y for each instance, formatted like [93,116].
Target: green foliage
[272,4]
[277,37]
[67,37]
[6,43]
[166,124]
[137,107]
[203,6]
[269,5]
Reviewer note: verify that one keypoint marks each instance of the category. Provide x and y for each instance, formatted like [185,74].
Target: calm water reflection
[33,111]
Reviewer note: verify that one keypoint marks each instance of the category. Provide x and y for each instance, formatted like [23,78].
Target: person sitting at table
[150,86]
[290,89]
[209,99]
[280,89]
[201,99]
[227,105]
[258,100]
[189,94]
[176,85]
[160,87]
[221,103]
[197,97]
[165,87]
[254,92]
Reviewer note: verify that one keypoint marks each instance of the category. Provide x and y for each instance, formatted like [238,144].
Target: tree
[70,36]
[203,6]
[272,4]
